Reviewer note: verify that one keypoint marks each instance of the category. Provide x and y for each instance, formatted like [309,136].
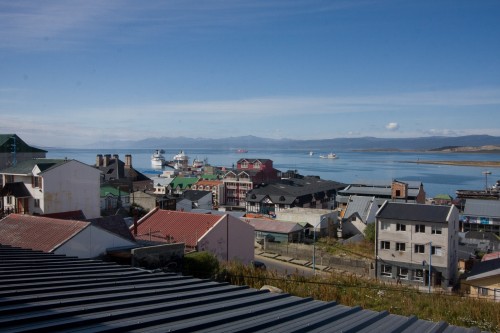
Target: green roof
[183,182]
[26,167]
[443,197]
[105,190]
[209,177]
[7,145]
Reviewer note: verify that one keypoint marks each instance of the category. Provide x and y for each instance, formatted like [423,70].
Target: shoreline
[490,164]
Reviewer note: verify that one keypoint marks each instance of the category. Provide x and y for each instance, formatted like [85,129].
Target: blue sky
[77,72]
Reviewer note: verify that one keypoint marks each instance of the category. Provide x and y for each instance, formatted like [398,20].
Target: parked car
[259,265]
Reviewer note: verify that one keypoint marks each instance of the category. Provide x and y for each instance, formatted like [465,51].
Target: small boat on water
[330,156]
[198,164]
[241,151]
[311,153]
[157,159]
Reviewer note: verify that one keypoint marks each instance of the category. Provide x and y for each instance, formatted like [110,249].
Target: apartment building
[415,239]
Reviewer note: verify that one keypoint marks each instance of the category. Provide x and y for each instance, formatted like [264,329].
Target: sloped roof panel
[90,295]
[477,207]
[38,233]
[172,226]
[415,212]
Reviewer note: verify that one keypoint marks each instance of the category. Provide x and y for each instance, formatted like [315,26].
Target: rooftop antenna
[486,173]
[14,149]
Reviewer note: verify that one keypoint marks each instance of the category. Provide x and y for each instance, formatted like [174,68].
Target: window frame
[400,245]
[400,227]
[437,251]
[418,247]
[386,226]
[416,277]
[420,228]
[385,245]
[386,270]
[401,275]
[436,230]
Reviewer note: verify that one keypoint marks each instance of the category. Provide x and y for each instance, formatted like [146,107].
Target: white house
[360,211]
[48,186]
[68,237]
[226,236]
[413,239]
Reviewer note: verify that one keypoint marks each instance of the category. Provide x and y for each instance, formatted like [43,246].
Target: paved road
[284,268]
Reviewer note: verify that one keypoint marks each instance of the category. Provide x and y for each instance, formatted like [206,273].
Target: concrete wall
[230,239]
[159,256]
[92,242]
[72,186]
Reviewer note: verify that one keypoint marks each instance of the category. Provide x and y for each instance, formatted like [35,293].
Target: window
[420,228]
[419,248]
[398,193]
[437,251]
[385,245]
[400,227]
[37,181]
[385,226]
[386,270]
[9,200]
[36,203]
[403,273]
[400,247]
[436,231]
[419,275]
[244,165]
[482,291]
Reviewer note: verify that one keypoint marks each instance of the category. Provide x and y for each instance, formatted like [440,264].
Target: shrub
[370,232]
[202,265]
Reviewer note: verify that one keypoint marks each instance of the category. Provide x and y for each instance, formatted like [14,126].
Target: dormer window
[256,165]
[244,165]
[282,198]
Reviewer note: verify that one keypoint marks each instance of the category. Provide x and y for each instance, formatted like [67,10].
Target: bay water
[350,167]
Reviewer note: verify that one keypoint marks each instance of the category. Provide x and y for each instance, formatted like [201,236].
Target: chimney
[98,160]
[107,157]
[135,225]
[128,161]
[115,156]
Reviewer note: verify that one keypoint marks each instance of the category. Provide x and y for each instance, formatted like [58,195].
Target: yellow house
[484,280]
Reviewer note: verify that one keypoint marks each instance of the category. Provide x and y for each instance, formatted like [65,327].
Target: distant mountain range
[334,145]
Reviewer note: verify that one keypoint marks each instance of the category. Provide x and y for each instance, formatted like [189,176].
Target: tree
[370,232]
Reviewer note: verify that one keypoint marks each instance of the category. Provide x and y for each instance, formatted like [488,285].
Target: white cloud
[392,126]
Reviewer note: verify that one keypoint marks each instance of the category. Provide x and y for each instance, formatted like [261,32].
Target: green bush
[202,265]
[370,232]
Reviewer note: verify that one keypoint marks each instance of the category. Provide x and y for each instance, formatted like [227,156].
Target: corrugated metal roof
[486,208]
[360,205]
[173,226]
[37,232]
[51,293]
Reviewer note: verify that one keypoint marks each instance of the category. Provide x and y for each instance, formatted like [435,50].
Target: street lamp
[430,265]
[314,243]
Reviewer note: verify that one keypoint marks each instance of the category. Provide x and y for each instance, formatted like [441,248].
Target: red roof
[38,233]
[169,226]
